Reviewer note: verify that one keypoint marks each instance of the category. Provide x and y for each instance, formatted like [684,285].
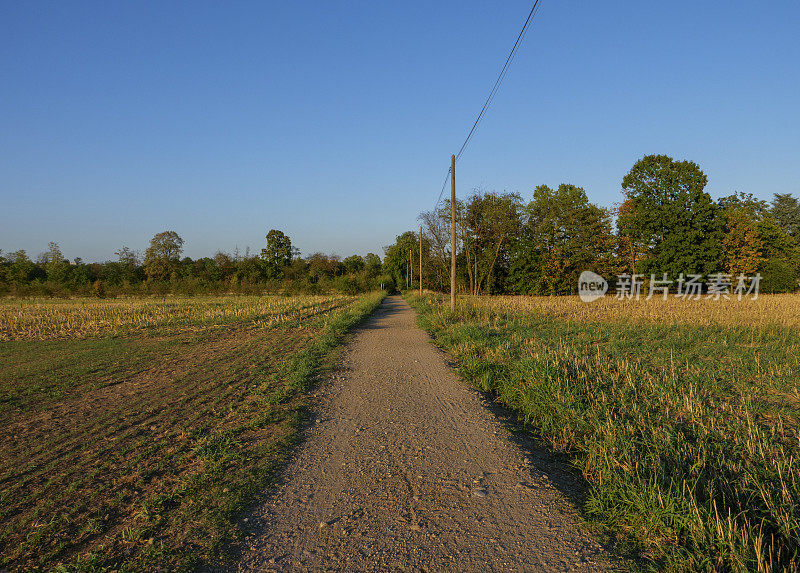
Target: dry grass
[766,310]
[48,319]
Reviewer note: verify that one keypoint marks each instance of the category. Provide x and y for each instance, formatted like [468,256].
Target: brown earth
[78,476]
[407,468]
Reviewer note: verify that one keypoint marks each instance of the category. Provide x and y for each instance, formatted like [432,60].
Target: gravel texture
[406,468]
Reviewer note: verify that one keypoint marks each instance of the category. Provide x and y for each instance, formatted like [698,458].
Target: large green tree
[372,264]
[353,264]
[278,253]
[128,268]
[786,211]
[163,255]
[396,258]
[320,266]
[672,216]
[489,224]
[563,235]
[55,264]
[21,270]
[780,257]
[630,247]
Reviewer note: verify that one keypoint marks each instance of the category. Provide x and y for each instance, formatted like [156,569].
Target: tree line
[665,223]
[162,270]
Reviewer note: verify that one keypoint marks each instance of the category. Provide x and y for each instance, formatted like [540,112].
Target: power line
[446,177]
[495,88]
[500,77]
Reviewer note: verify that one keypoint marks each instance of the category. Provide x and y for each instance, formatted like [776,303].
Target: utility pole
[452,232]
[420,260]
[411,267]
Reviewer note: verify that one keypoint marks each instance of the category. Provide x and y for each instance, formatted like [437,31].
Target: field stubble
[138,448]
[49,319]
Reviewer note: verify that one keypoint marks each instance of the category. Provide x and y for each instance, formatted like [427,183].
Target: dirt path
[406,468]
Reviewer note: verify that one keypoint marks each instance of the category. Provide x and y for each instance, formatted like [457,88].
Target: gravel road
[406,468]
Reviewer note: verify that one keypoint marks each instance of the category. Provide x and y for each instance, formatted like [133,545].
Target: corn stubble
[48,319]
[142,447]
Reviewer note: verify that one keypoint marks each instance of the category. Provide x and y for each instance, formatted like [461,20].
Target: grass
[682,416]
[134,433]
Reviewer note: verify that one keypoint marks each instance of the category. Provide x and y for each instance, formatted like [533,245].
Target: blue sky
[335,121]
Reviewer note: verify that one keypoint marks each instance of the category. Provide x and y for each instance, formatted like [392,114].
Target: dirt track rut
[406,468]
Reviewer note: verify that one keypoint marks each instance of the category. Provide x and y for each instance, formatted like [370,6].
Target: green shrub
[778,276]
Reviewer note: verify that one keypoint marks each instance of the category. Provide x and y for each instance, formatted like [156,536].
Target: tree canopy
[278,253]
[672,216]
[562,235]
[162,256]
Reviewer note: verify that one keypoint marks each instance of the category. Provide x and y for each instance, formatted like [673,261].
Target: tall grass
[682,418]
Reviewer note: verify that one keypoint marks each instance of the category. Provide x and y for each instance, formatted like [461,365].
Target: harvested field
[137,438]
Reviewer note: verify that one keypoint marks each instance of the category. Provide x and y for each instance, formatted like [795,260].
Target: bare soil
[114,472]
[404,467]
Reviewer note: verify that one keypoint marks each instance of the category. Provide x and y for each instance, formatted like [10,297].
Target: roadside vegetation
[136,432]
[683,416]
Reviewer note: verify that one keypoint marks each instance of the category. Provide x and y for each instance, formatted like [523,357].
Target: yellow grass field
[49,319]
[772,309]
